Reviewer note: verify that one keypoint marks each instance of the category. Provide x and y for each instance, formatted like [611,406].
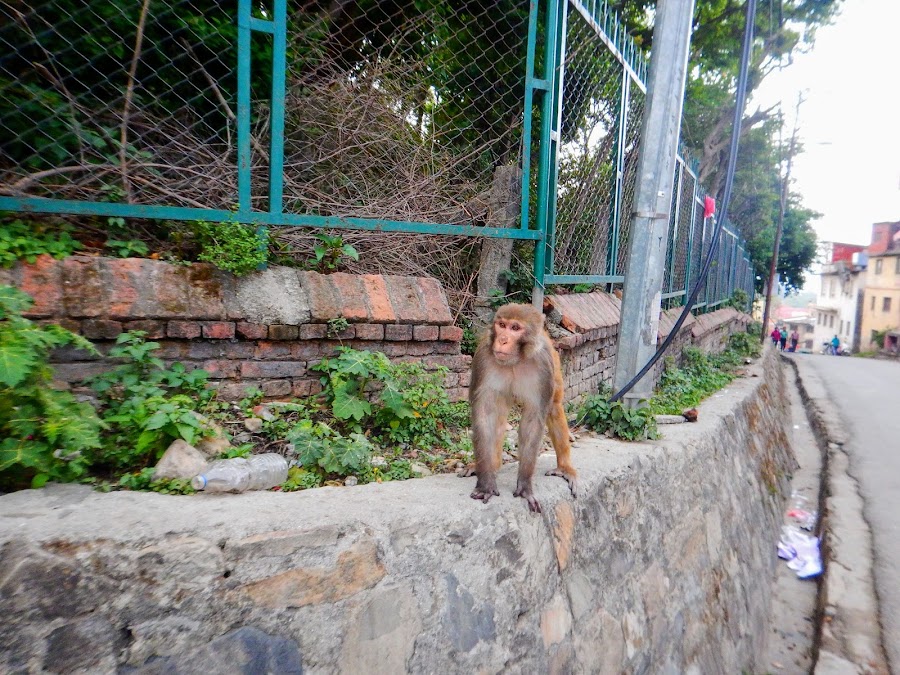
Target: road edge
[849,631]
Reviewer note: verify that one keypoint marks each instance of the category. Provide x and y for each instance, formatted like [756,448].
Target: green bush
[630,424]
[230,246]
[146,405]
[45,433]
[20,240]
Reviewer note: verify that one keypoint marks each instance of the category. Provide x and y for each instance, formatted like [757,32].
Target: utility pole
[641,299]
[785,184]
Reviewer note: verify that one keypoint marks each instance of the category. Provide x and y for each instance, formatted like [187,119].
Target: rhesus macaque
[516,363]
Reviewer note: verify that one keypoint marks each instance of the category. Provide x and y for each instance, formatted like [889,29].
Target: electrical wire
[740,97]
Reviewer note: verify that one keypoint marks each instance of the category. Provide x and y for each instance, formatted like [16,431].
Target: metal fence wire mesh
[405,113]
[391,111]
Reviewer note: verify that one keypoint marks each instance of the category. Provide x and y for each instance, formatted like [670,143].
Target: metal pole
[641,300]
[781,209]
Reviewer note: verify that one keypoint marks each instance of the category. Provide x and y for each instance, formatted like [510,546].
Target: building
[881,304]
[839,302]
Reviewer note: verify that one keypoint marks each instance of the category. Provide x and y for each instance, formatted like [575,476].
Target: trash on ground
[801,552]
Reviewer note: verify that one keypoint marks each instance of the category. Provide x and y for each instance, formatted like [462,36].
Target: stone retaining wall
[663,564]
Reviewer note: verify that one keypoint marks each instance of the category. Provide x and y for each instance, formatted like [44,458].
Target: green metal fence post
[612,257]
[243,108]
[551,120]
[532,84]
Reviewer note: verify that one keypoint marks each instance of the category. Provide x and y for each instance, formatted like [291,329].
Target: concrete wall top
[135,288]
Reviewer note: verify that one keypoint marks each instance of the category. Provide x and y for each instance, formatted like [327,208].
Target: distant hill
[802,299]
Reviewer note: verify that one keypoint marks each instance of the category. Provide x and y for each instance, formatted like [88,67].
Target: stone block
[425,333]
[204,350]
[352,295]
[313,331]
[275,295]
[324,299]
[280,331]
[378,299]
[451,333]
[217,330]
[251,331]
[273,350]
[89,644]
[154,329]
[186,330]
[369,331]
[221,368]
[101,329]
[306,387]
[276,388]
[398,332]
[42,280]
[239,350]
[435,301]
[407,300]
[419,348]
[85,291]
[273,369]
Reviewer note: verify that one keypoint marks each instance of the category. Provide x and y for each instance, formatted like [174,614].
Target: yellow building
[881,302]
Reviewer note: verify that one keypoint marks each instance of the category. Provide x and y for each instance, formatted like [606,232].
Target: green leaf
[39,481]
[347,407]
[16,360]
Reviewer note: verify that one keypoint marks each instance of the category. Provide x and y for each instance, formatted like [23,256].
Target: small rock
[350,481]
[243,437]
[263,412]
[253,424]
[670,419]
[213,446]
[180,460]
[419,468]
[378,460]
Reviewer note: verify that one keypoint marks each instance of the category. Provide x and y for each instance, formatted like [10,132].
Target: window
[831,321]
[878,266]
[897,265]
[872,308]
[841,331]
[886,305]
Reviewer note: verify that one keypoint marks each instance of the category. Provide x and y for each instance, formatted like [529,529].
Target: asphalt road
[867,394]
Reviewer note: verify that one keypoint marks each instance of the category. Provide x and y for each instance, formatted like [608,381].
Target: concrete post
[641,300]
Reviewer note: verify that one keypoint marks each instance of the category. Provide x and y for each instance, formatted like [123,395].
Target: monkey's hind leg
[489,422]
[558,429]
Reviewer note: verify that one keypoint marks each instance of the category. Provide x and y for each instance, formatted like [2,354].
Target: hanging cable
[740,97]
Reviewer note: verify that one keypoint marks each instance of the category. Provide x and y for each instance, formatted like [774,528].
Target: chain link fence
[401,113]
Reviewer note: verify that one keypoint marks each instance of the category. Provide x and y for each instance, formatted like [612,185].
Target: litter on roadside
[801,551]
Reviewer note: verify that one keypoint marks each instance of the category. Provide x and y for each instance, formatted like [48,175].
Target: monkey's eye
[515,327]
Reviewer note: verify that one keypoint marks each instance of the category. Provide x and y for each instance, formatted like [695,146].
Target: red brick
[78,372]
[303,388]
[153,329]
[324,300]
[240,350]
[183,329]
[452,333]
[458,394]
[406,299]
[425,333]
[378,300]
[217,330]
[70,324]
[252,331]
[275,388]
[446,348]
[313,331]
[205,350]
[352,296]
[455,363]
[283,332]
[394,349]
[398,332]
[451,380]
[273,369]
[221,368]
[435,301]
[369,331]
[42,280]
[169,349]
[272,350]
[419,348]
[347,334]
[125,278]
[233,391]
[465,378]
[100,329]
[85,291]
[205,294]
[308,350]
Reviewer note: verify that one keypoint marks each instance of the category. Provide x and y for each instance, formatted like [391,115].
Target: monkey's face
[509,337]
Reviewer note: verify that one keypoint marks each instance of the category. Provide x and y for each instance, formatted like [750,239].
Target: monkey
[516,363]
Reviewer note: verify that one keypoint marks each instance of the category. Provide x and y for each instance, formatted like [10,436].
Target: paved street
[867,392]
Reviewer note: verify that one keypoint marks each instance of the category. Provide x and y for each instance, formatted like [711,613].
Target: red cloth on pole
[709,207]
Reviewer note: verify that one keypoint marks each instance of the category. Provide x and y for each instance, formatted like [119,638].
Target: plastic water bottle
[257,472]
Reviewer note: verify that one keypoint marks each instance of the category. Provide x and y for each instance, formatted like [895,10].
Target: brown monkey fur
[517,364]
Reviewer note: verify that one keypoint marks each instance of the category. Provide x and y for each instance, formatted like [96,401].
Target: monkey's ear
[532,342]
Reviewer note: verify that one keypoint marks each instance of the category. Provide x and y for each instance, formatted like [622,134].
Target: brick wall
[591,321]
[262,331]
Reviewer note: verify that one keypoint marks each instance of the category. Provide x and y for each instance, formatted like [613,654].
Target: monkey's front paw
[570,478]
[528,496]
[467,470]
[484,494]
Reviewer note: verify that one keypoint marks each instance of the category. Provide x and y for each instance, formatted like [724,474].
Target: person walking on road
[783,338]
[775,335]
[835,345]
[795,338]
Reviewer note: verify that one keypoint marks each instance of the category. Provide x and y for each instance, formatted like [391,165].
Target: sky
[849,120]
